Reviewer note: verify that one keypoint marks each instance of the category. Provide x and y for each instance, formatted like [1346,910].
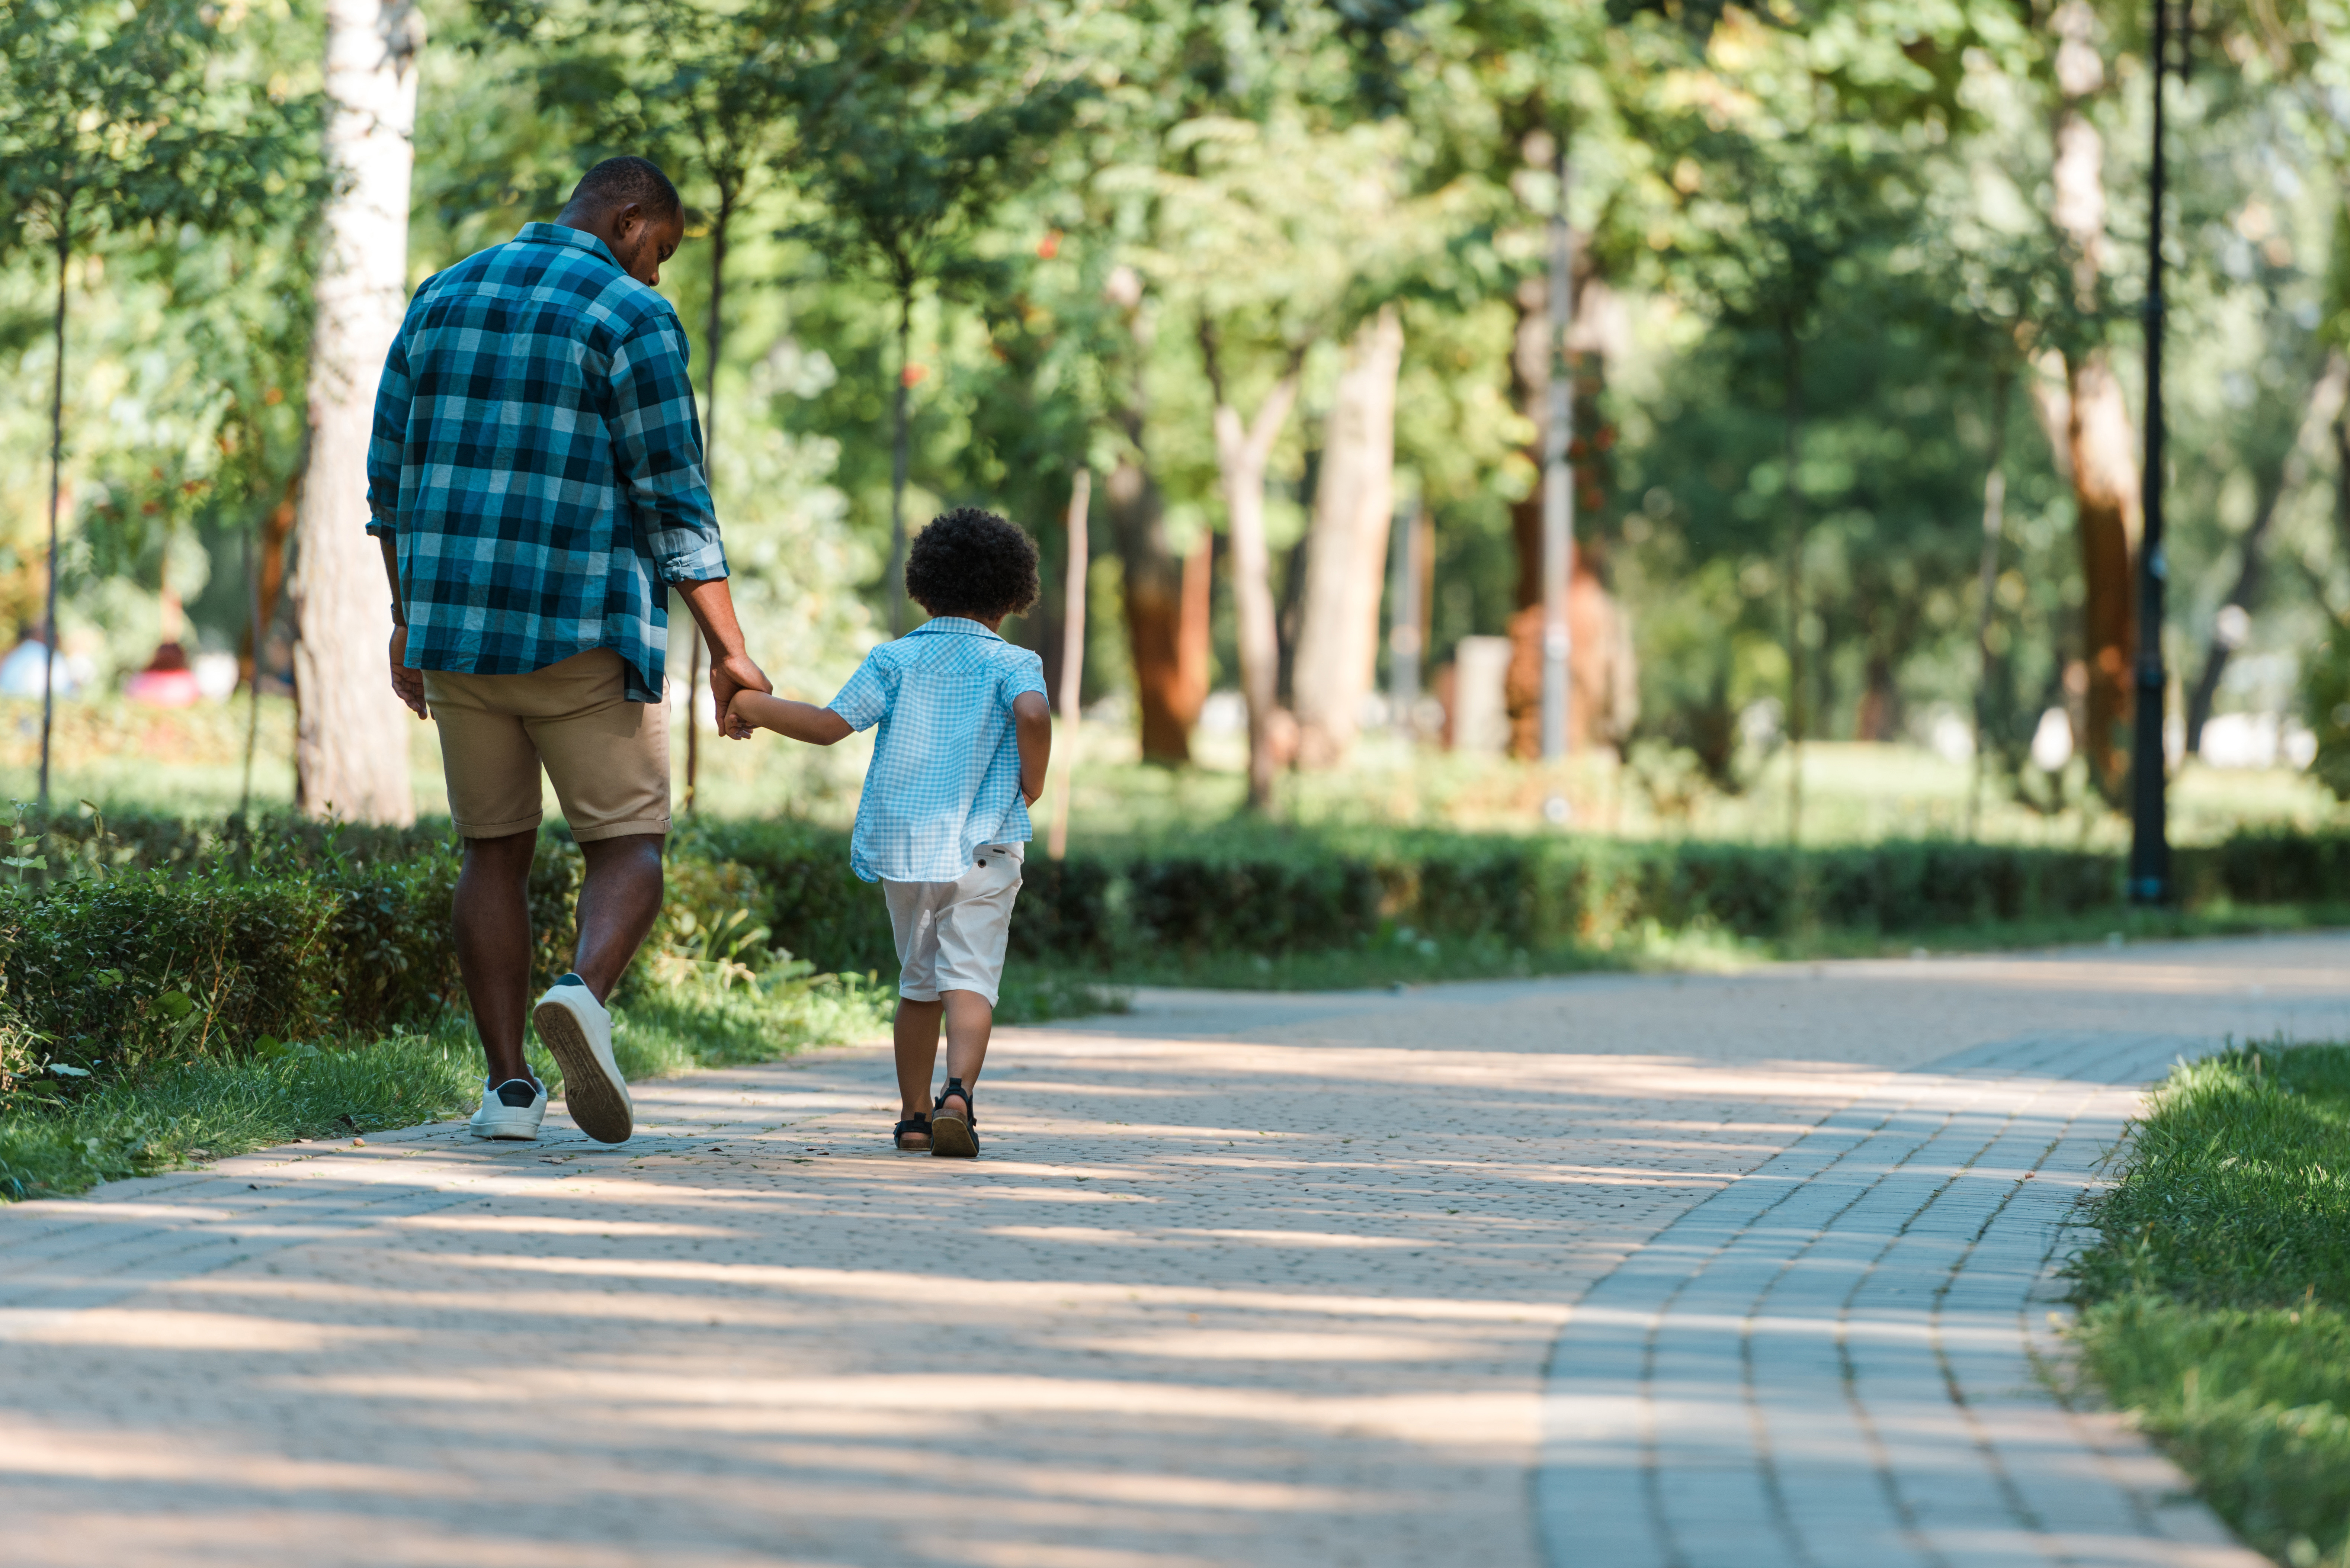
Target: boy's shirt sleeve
[865,701]
[1026,673]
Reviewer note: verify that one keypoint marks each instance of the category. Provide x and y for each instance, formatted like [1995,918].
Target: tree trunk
[2102,452]
[893,587]
[352,741]
[1073,660]
[1243,452]
[1602,703]
[2322,414]
[1791,354]
[1153,602]
[715,337]
[1194,628]
[1154,587]
[269,572]
[1995,527]
[56,485]
[1346,559]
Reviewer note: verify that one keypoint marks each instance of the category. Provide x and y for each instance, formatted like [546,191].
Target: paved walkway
[1613,1271]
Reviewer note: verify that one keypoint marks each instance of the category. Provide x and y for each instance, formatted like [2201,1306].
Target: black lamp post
[2149,861]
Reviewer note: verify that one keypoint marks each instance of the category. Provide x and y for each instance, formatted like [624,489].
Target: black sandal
[915,1123]
[956,1137]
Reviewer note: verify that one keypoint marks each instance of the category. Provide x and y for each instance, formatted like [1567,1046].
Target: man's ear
[626,221]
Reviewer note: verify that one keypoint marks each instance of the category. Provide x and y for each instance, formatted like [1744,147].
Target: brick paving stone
[1610,1271]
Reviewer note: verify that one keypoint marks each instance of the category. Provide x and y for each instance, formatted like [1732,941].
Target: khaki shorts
[951,935]
[609,757]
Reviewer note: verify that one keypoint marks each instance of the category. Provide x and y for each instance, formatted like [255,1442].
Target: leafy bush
[114,974]
[2325,707]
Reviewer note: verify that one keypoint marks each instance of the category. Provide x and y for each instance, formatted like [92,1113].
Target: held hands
[730,677]
[407,684]
[736,725]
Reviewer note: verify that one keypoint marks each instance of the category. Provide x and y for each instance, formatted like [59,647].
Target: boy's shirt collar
[956,625]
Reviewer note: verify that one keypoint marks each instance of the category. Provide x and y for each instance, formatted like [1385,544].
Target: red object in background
[1050,246]
[913,374]
[167,681]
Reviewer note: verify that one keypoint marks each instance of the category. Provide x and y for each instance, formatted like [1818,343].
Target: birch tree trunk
[1345,560]
[2101,449]
[351,742]
[1242,451]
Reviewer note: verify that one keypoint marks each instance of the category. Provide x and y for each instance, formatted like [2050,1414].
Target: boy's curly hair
[968,562]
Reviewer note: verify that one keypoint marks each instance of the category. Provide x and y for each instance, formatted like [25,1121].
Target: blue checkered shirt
[945,776]
[538,456]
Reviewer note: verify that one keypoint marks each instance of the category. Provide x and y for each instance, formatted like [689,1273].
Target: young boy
[943,823]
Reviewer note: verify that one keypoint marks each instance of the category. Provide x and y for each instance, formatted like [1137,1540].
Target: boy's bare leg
[916,1035]
[971,1019]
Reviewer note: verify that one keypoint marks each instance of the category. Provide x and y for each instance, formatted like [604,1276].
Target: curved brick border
[1831,1361]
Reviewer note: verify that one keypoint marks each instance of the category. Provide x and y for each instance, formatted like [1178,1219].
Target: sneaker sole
[599,1104]
[507,1131]
[952,1137]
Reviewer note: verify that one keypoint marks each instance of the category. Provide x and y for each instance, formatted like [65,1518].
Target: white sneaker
[577,1031]
[511,1110]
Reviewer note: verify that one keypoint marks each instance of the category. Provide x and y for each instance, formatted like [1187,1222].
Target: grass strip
[2214,1300]
[190,1111]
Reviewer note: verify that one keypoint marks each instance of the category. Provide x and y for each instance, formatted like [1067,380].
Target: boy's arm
[800,721]
[1031,725]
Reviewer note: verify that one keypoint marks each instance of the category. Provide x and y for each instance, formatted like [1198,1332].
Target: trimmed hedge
[293,929]
[114,974]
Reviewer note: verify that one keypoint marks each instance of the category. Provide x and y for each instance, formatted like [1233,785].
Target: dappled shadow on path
[1271,1282]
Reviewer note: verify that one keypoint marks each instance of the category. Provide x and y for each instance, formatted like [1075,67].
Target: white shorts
[951,935]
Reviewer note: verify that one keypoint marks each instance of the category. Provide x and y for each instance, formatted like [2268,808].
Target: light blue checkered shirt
[945,777]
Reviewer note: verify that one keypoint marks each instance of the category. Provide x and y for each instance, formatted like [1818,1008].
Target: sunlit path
[1242,1280]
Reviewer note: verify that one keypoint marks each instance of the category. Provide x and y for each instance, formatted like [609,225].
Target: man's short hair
[970,562]
[617,181]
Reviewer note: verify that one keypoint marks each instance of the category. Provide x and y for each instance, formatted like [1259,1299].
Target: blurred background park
[1851,338]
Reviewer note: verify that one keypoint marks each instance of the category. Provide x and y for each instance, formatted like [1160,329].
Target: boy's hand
[730,677]
[736,726]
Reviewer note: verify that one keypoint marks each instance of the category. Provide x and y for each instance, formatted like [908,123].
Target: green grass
[192,1111]
[189,1112]
[2215,1305]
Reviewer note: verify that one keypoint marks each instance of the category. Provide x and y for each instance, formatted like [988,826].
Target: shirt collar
[955,626]
[564,235]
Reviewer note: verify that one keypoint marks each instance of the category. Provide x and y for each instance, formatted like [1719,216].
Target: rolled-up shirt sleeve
[656,438]
[388,440]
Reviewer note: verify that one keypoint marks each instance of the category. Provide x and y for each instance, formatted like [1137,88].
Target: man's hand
[732,674]
[407,684]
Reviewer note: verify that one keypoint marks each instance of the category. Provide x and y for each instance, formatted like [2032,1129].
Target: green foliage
[118,115]
[2325,707]
[2218,1297]
[116,974]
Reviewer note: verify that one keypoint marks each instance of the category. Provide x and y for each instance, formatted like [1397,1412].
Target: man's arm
[1032,727]
[711,605]
[407,684]
[387,439]
[657,437]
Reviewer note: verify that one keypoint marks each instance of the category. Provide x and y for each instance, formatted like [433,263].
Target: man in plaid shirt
[536,480]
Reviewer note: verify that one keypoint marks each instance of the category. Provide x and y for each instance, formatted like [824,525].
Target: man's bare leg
[491,919]
[618,901]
